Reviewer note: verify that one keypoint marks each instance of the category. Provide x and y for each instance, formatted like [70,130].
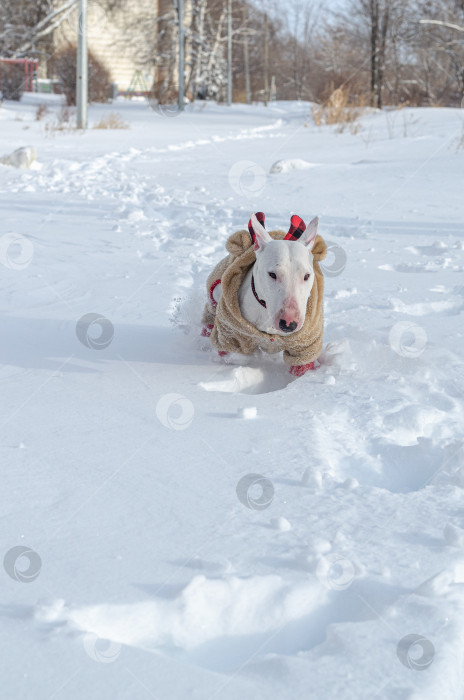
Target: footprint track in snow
[249,380]
[420,267]
[448,307]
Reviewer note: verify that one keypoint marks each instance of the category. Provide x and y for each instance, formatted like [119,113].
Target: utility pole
[180,92]
[266,60]
[82,90]
[229,52]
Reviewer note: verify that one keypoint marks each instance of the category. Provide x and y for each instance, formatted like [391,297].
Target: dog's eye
[273,275]
[307,276]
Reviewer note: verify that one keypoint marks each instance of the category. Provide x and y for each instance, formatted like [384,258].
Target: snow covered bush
[64,67]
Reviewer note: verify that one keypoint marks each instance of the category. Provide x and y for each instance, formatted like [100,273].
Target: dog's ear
[308,238]
[258,233]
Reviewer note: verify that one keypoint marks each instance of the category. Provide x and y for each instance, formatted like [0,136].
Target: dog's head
[284,273]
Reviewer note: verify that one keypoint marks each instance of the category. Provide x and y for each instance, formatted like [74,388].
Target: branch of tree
[442,24]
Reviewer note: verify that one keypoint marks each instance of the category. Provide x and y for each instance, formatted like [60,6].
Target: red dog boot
[222,353]
[299,370]
[206,332]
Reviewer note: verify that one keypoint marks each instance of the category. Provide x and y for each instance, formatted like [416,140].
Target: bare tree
[443,26]
[24,24]
[385,50]
[205,64]
[246,55]
[382,19]
[300,23]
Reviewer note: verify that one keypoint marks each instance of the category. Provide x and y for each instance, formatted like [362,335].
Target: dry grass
[65,115]
[409,122]
[111,121]
[460,141]
[339,109]
[64,122]
[41,111]
[403,104]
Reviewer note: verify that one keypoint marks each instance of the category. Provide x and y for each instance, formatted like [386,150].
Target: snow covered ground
[158,540]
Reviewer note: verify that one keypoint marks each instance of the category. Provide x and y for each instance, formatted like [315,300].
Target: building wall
[122,39]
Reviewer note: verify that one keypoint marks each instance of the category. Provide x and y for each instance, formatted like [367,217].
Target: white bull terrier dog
[284,275]
[267,294]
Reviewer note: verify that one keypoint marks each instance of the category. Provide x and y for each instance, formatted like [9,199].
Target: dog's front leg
[214,294]
[206,330]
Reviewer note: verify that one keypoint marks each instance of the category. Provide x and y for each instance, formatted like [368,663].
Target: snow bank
[21,158]
[205,610]
[289,164]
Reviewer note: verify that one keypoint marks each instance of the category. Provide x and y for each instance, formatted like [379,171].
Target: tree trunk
[374,12]
[217,42]
[382,55]
[266,60]
[197,56]
[246,56]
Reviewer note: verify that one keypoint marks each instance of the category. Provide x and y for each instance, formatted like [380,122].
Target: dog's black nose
[287,329]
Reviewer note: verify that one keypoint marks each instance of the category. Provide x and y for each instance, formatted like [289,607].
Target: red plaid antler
[260,216]
[297,228]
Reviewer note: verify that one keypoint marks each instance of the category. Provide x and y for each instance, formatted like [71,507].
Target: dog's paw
[299,370]
[222,353]
[206,332]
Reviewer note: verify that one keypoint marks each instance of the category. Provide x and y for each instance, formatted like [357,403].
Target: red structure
[30,67]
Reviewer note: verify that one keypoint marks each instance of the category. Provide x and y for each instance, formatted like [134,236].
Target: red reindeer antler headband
[297,227]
